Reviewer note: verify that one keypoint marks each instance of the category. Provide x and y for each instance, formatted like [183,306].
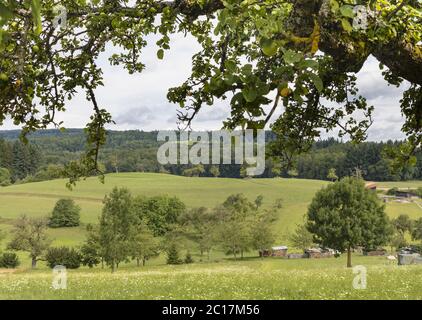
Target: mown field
[221,277]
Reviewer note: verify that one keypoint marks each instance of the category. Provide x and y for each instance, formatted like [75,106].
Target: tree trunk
[349,257]
[241,254]
[234,253]
[34,263]
[144,261]
[113,267]
[138,262]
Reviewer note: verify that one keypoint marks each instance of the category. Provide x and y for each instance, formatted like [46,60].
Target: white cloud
[139,101]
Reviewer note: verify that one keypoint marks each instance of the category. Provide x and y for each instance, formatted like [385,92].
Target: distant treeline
[136,151]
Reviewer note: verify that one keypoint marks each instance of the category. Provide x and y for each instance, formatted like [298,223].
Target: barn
[371,186]
[280,251]
[317,253]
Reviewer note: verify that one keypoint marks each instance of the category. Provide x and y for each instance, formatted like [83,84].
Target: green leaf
[313,64]
[250,94]
[160,54]
[292,57]
[347,11]
[316,80]
[269,47]
[36,15]
[231,66]
[346,25]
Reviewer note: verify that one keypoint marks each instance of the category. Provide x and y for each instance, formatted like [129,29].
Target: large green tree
[261,55]
[160,213]
[66,213]
[345,215]
[29,234]
[117,227]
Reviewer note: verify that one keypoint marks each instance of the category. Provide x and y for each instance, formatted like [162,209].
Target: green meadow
[250,279]
[219,278]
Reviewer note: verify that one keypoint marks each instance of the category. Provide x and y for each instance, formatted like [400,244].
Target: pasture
[219,278]
[270,278]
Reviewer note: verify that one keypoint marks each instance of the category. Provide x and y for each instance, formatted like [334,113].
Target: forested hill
[136,151]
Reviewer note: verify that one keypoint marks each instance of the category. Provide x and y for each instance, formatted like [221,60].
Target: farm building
[317,253]
[371,186]
[373,253]
[280,251]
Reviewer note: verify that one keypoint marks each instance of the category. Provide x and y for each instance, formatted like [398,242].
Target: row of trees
[342,216]
[136,151]
[139,228]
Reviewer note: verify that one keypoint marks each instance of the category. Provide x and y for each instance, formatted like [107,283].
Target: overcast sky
[139,101]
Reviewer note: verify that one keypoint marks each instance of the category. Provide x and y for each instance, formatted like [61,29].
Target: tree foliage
[302,238]
[65,214]
[345,215]
[29,235]
[258,55]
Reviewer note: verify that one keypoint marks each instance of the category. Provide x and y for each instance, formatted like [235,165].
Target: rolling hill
[38,199]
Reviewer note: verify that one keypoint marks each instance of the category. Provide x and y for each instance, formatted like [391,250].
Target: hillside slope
[38,199]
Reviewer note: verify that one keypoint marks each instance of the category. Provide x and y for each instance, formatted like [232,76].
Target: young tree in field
[144,245]
[173,255]
[29,234]
[92,251]
[236,216]
[301,238]
[402,224]
[345,215]
[117,227]
[332,175]
[262,233]
[65,214]
[199,225]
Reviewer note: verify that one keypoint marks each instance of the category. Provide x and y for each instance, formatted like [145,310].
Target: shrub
[89,255]
[65,214]
[188,258]
[68,257]
[173,255]
[392,191]
[9,260]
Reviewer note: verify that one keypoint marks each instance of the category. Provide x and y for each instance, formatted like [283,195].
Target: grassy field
[222,277]
[38,199]
[251,279]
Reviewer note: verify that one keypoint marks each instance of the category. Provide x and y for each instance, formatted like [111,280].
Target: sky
[139,101]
